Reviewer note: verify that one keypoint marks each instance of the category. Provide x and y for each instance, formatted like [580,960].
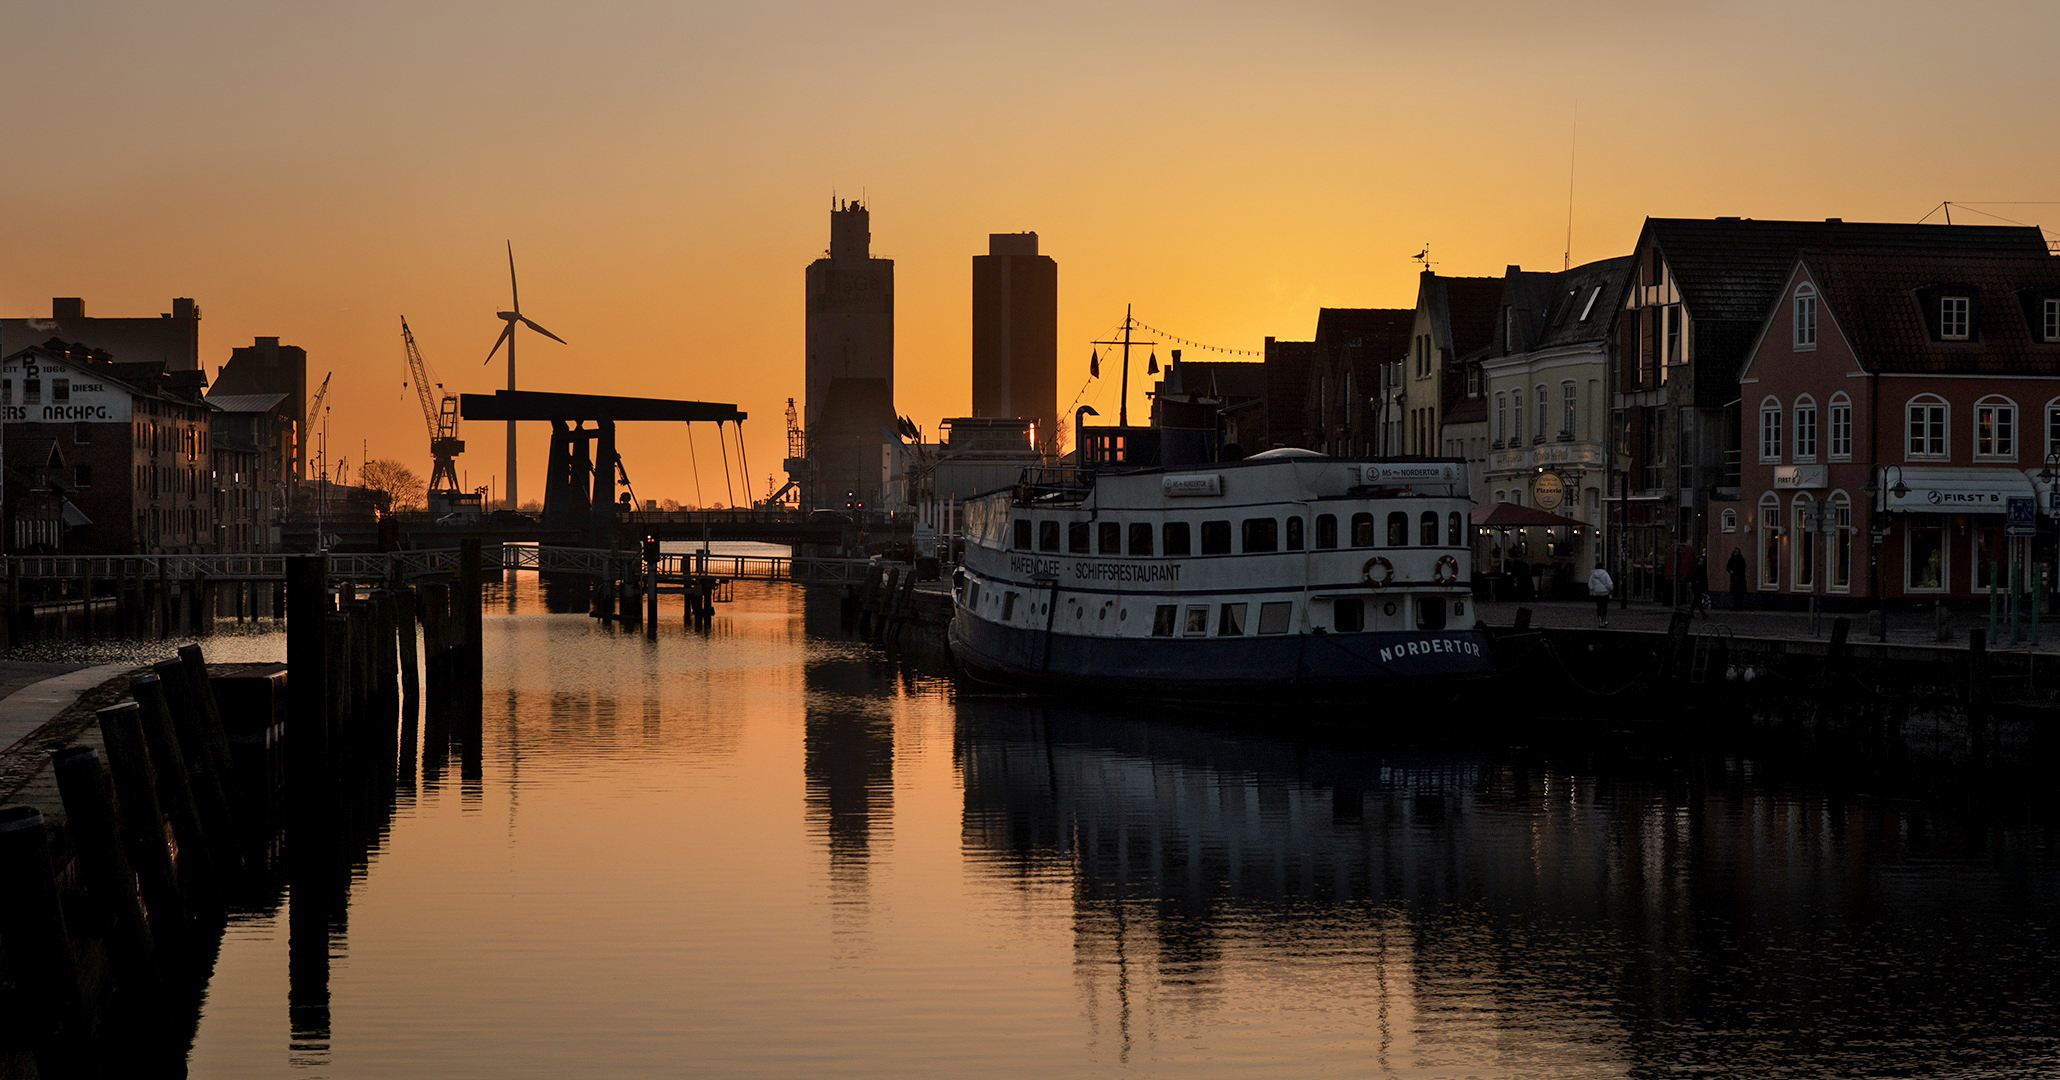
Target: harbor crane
[441,416]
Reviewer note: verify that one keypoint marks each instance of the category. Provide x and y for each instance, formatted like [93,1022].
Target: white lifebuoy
[1447,570]
[1379,572]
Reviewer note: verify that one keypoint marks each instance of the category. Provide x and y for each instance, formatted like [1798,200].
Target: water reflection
[848,748]
[1552,917]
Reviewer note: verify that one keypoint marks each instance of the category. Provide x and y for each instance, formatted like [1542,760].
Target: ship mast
[1123,404]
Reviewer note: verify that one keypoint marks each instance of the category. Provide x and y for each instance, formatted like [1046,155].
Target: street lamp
[1877,487]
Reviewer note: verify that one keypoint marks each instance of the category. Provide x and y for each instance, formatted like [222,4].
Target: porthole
[1388,608]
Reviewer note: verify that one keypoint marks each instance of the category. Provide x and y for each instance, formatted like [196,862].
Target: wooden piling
[148,837]
[49,1003]
[307,660]
[89,812]
[175,746]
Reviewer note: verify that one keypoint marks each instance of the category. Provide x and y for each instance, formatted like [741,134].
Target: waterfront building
[1277,420]
[1443,411]
[129,443]
[1232,392]
[254,467]
[1343,403]
[170,338]
[265,367]
[1546,394]
[1016,335]
[848,411]
[1897,407]
[1699,296]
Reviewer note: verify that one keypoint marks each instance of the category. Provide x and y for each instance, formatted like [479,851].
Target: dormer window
[1589,307]
[2051,322]
[1805,318]
[1952,317]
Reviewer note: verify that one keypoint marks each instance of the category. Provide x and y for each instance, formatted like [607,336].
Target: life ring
[1447,570]
[1379,572]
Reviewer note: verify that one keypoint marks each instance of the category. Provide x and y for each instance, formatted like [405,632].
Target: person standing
[1599,587]
[1735,566]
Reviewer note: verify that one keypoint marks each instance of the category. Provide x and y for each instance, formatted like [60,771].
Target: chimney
[67,307]
[183,307]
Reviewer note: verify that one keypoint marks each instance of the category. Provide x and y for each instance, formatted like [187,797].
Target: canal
[764,850]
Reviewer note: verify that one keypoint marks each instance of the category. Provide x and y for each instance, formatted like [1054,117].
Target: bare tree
[402,487]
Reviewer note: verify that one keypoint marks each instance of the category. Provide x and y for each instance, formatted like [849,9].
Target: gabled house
[1350,360]
[1899,408]
[1699,296]
[1443,413]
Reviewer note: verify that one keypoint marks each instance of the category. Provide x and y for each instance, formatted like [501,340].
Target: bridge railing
[408,565]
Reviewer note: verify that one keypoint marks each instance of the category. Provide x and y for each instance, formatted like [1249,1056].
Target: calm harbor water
[763,850]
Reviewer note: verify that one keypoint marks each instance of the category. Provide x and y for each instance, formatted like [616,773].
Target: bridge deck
[673,568]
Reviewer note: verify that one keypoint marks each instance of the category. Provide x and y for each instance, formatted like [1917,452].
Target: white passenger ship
[1285,572]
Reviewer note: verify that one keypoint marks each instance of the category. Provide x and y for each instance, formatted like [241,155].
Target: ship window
[1430,613]
[1262,534]
[1140,538]
[1022,534]
[1232,621]
[1273,617]
[1047,536]
[1348,616]
[1215,537]
[1455,535]
[1362,530]
[1427,529]
[1294,534]
[1076,537]
[1398,529]
[1326,530]
[1008,607]
[1198,620]
[973,596]
[1176,538]
[1109,538]
[1162,619]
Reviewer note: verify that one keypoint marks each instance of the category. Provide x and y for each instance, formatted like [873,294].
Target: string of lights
[1178,340]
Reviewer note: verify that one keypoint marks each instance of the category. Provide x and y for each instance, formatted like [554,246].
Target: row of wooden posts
[142,604]
[884,602]
[213,785]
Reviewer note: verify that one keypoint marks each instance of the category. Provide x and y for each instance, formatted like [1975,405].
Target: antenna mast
[1123,405]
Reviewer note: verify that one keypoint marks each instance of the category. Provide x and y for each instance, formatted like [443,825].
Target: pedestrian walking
[1699,587]
[1735,566]
[1599,587]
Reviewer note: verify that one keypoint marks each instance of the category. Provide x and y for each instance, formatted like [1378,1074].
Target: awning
[73,516]
[1513,515]
[1943,489]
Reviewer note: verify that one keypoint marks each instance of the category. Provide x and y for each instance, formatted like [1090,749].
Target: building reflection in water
[848,754]
[1554,919]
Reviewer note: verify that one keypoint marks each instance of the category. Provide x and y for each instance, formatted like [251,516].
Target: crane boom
[315,407]
[442,420]
[419,369]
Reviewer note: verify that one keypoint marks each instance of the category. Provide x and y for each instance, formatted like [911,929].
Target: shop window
[1274,616]
[1294,533]
[1261,535]
[1805,546]
[1327,524]
[1348,616]
[1140,538]
[1215,537]
[1841,543]
[1770,542]
[1362,530]
[1230,621]
[1924,553]
[1398,529]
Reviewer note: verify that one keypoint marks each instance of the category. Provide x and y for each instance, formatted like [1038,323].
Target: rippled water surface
[762,850]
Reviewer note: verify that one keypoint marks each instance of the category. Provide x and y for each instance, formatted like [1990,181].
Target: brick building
[1894,407]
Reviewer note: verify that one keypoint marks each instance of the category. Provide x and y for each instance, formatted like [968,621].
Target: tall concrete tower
[1016,333]
[849,410]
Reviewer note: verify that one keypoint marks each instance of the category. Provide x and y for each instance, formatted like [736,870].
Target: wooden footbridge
[403,566]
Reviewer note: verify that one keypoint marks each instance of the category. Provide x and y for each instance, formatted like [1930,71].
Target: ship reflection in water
[759,849]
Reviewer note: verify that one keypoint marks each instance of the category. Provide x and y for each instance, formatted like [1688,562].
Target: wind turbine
[508,335]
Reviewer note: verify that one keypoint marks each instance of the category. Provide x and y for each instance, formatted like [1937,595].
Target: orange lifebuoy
[1379,572]
[1447,570]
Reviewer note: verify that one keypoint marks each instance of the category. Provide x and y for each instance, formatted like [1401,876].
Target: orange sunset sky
[665,170]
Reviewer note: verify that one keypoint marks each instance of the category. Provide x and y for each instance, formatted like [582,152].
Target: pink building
[1894,411]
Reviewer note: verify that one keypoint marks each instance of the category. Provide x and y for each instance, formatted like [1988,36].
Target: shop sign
[1800,477]
[1549,490]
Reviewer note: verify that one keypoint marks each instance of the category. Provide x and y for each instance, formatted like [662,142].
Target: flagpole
[1123,407]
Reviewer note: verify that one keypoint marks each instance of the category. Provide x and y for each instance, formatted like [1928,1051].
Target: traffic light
[651,550]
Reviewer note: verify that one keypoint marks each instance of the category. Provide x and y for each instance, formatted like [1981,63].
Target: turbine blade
[538,329]
[507,331]
[513,292]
